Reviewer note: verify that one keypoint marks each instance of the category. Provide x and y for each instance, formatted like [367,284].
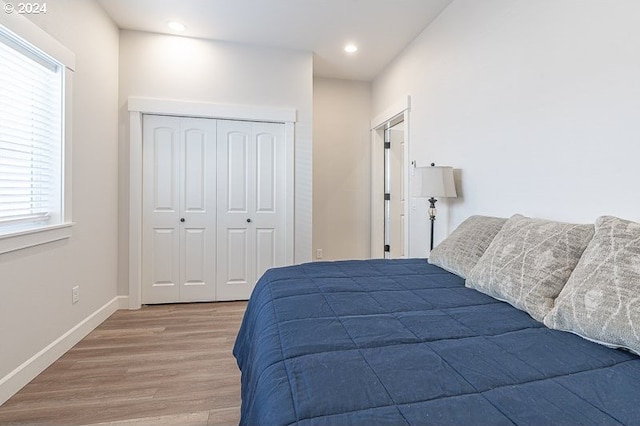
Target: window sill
[34,237]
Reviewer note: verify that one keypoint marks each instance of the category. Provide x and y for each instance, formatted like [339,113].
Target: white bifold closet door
[179,209]
[251,204]
[213,207]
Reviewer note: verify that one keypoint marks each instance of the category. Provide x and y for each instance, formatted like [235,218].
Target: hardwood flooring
[160,365]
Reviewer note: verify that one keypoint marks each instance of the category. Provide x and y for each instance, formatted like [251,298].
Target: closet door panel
[194,281]
[179,214]
[165,173]
[161,208]
[270,197]
[237,253]
[251,201]
[236,168]
[266,173]
[194,173]
[265,250]
[198,209]
[236,245]
[163,265]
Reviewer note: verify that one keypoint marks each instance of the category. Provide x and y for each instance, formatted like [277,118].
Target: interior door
[397,201]
[251,204]
[178,208]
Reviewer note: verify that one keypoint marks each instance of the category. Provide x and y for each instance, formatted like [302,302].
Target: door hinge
[387,196]
[387,145]
[387,248]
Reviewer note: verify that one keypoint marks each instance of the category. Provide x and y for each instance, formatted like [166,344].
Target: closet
[213,207]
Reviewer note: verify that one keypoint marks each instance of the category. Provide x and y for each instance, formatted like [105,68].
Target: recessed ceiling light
[351,48]
[176,26]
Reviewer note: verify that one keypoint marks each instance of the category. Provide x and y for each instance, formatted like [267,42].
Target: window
[32,143]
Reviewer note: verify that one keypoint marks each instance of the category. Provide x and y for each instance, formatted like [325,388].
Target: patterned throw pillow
[529,262]
[460,252]
[601,300]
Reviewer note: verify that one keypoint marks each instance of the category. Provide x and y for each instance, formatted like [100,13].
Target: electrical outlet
[75,294]
[318,253]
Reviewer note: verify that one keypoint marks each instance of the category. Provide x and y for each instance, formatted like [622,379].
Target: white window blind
[31,134]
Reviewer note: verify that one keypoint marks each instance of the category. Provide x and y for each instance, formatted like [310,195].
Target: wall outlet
[75,294]
[318,253]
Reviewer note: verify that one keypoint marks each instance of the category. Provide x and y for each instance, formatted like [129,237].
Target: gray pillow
[461,250]
[601,300]
[529,262]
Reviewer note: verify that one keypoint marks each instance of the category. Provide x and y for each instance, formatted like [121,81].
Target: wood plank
[162,364]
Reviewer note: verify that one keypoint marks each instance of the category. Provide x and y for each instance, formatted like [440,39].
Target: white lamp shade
[436,181]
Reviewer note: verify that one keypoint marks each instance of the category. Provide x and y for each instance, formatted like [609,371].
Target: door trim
[211,110]
[137,107]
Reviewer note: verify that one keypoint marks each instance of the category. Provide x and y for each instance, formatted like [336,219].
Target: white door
[251,204]
[179,210]
[397,208]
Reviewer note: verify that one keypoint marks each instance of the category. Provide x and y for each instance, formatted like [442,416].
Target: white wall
[536,102]
[341,168]
[35,283]
[180,68]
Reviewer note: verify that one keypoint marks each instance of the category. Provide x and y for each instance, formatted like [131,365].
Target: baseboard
[18,378]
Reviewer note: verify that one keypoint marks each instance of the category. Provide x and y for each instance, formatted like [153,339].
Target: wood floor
[160,365]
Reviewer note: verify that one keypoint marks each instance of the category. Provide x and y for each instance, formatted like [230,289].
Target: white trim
[34,237]
[139,106]
[135,210]
[289,137]
[407,180]
[38,37]
[67,149]
[376,187]
[28,370]
[211,110]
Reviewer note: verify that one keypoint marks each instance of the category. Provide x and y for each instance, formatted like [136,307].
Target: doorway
[389,184]
[394,171]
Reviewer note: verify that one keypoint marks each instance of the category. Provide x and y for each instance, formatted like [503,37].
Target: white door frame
[400,108]
[137,108]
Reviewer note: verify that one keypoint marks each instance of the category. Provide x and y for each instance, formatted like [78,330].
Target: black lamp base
[432,217]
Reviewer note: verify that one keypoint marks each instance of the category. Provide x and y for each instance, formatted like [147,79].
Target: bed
[398,342]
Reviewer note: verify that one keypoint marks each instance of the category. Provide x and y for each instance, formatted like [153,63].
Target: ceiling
[380,28]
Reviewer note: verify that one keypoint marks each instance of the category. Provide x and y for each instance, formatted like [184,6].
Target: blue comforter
[404,342]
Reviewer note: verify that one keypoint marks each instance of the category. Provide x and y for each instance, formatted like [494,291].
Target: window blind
[31,113]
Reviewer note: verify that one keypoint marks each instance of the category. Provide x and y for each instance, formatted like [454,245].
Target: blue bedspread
[404,342]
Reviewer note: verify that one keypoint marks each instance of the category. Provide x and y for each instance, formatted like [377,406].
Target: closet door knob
[248,220]
[182,219]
